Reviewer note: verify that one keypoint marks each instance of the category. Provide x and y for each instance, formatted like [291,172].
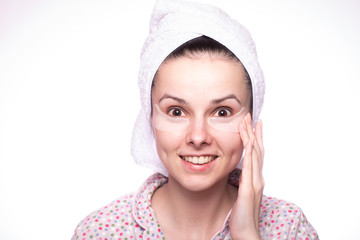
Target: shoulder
[108,220]
[124,218]
[284,220]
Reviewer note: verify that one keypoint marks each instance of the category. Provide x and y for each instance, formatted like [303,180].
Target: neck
[193,212]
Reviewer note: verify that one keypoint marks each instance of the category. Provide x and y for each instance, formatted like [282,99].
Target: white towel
[174,22]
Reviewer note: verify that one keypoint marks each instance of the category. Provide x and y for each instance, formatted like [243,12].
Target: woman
[202,91]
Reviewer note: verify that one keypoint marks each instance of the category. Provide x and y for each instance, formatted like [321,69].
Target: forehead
[198,73]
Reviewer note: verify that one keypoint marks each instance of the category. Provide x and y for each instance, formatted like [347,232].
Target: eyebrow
[213,102]
[231,96]
[179,100]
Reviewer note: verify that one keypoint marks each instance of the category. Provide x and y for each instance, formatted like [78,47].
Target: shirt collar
[144,214]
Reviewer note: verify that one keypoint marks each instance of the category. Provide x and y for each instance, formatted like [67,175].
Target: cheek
[167,142]
[230,144]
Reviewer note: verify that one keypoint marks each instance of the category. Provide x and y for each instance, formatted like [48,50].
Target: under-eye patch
[164,122]
[227,124]
[167,123]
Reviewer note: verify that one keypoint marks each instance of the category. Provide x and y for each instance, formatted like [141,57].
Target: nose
[197,133]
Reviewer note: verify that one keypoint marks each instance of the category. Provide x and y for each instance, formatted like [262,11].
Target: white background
[68,101]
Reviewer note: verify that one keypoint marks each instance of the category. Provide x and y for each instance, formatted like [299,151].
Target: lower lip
[199,167]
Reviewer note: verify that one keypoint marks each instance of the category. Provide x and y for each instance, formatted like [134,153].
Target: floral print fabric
[131,217]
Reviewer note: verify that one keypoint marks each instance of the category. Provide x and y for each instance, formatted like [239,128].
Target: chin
[198,182]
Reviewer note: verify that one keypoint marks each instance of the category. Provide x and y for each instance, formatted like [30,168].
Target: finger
[259,159]
[259,146]
[259,136]
[258,180]
[249,127]
[246,173]
[252,135]
[257,169]
[243,132]
[255,154]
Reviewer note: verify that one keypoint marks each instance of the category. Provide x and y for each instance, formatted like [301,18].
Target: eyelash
[218,110]
[171,112]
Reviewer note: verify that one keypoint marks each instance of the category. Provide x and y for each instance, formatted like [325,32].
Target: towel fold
[174,22]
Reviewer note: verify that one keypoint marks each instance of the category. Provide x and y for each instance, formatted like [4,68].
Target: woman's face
[190,99]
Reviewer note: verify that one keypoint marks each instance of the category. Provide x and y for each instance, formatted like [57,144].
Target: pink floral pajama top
[131,217]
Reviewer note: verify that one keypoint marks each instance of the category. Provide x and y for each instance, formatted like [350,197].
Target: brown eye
[176,112]
[222,112]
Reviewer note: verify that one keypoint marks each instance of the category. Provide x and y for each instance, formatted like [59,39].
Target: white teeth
[199,160]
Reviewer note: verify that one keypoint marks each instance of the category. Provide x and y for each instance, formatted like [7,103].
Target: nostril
[198,141]
[197,134]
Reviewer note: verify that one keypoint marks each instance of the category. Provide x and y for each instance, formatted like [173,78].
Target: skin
[197,198]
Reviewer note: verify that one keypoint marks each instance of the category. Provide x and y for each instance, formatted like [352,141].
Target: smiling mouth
[198,160]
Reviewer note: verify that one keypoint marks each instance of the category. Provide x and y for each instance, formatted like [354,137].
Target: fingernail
[244,124]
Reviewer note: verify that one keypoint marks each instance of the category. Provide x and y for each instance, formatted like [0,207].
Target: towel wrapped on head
[174,22]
